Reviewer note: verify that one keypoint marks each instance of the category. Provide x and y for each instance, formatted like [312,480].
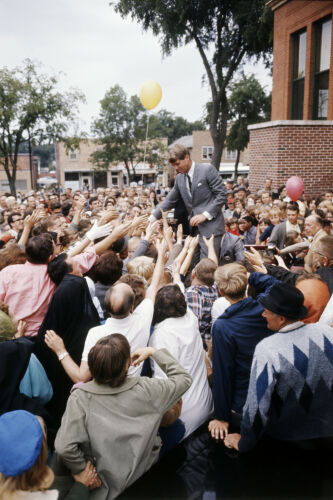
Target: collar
[291,326]
[95,388]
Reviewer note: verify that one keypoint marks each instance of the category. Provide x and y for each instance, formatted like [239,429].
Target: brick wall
[290,17]
[284,148]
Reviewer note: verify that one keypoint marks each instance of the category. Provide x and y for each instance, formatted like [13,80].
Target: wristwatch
[62,355]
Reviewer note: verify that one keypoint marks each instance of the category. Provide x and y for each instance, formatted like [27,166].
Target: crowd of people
[130,318]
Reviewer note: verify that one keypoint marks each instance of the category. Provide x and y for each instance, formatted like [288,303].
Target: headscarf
[14,359]
[7,327]
[71,314]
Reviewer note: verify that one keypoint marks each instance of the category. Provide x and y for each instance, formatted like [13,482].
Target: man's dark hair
[66,208]
[109,360]
[39,249]
[178,152]
[293,206]
[10,217]
[169,303]
[205,270]
[93,198]
[58,267]
[122,308]
[55,205]
[108,268]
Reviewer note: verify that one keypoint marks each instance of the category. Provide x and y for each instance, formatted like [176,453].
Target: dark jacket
[235,335]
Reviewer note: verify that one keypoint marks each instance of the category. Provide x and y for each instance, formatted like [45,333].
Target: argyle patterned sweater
[290,394]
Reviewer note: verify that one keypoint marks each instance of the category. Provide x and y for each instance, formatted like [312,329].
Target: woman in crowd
[117,417]
[71,314]
[176,329]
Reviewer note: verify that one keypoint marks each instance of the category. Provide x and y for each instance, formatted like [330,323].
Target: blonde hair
[38,478]
[143,266]
[231,279]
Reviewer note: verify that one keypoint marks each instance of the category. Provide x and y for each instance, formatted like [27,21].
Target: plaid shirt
[200,299]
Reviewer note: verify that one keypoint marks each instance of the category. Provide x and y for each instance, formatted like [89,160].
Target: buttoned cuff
[207,214]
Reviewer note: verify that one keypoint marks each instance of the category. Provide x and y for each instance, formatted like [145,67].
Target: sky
[94,48]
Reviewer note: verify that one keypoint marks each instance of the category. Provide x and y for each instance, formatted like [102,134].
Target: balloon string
[144,154]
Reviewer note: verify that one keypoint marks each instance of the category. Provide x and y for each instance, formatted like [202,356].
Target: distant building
[299,139]
[23,174]
[201,146]
[74,168]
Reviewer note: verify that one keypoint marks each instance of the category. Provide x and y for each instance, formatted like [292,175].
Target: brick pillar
[284,148]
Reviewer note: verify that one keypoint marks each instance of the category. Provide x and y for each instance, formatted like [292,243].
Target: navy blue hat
[285,300]
[21,439]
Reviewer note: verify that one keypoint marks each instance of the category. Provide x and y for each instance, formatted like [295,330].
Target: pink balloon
[294,187]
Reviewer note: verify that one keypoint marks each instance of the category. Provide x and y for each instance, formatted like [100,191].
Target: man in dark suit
[280,231]
[203,193]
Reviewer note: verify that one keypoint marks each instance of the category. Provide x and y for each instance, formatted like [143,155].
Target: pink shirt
[27,289]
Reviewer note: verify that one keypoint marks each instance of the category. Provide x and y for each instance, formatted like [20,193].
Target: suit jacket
[208,194]
[309,259]
[278,235]
[232,249]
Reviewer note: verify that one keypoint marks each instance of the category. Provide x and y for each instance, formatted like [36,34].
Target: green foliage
[248,104]
[121,131]
[232,30]
[166,124]
[31,109]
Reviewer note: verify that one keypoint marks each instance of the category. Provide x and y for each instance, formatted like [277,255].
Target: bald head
[119,300]
[313,224]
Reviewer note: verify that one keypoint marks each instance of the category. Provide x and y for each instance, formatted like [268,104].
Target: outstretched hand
[141,354]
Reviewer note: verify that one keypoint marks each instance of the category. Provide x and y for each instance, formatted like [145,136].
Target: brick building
[200,144]
[299,139]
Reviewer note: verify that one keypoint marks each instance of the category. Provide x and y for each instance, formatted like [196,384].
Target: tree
[166,124]
[234,29]
[248,104]
[121,131]
[32,110]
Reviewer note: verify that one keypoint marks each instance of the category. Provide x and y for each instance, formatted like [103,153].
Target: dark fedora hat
[285,300]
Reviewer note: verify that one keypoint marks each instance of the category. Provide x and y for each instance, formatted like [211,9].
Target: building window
[230,155]
[20,184]
[298,74]
[114,180]
[322,55]
[73,155]
[207,152]
[71,176]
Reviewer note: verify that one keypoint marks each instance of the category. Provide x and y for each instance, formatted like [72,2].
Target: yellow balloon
[150,94]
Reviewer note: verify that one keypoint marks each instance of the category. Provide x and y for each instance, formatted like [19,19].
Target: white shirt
[218,308]
[135,327]
[36,495]
[181,337]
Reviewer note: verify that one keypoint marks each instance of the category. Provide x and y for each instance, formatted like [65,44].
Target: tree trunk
[11,176]
[218,127]
[12,186]
[236,165]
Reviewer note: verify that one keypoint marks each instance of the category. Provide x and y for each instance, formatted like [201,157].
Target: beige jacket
[309,259]
[118,426]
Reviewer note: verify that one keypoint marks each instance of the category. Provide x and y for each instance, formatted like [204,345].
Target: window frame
[299,80]
[317,28]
